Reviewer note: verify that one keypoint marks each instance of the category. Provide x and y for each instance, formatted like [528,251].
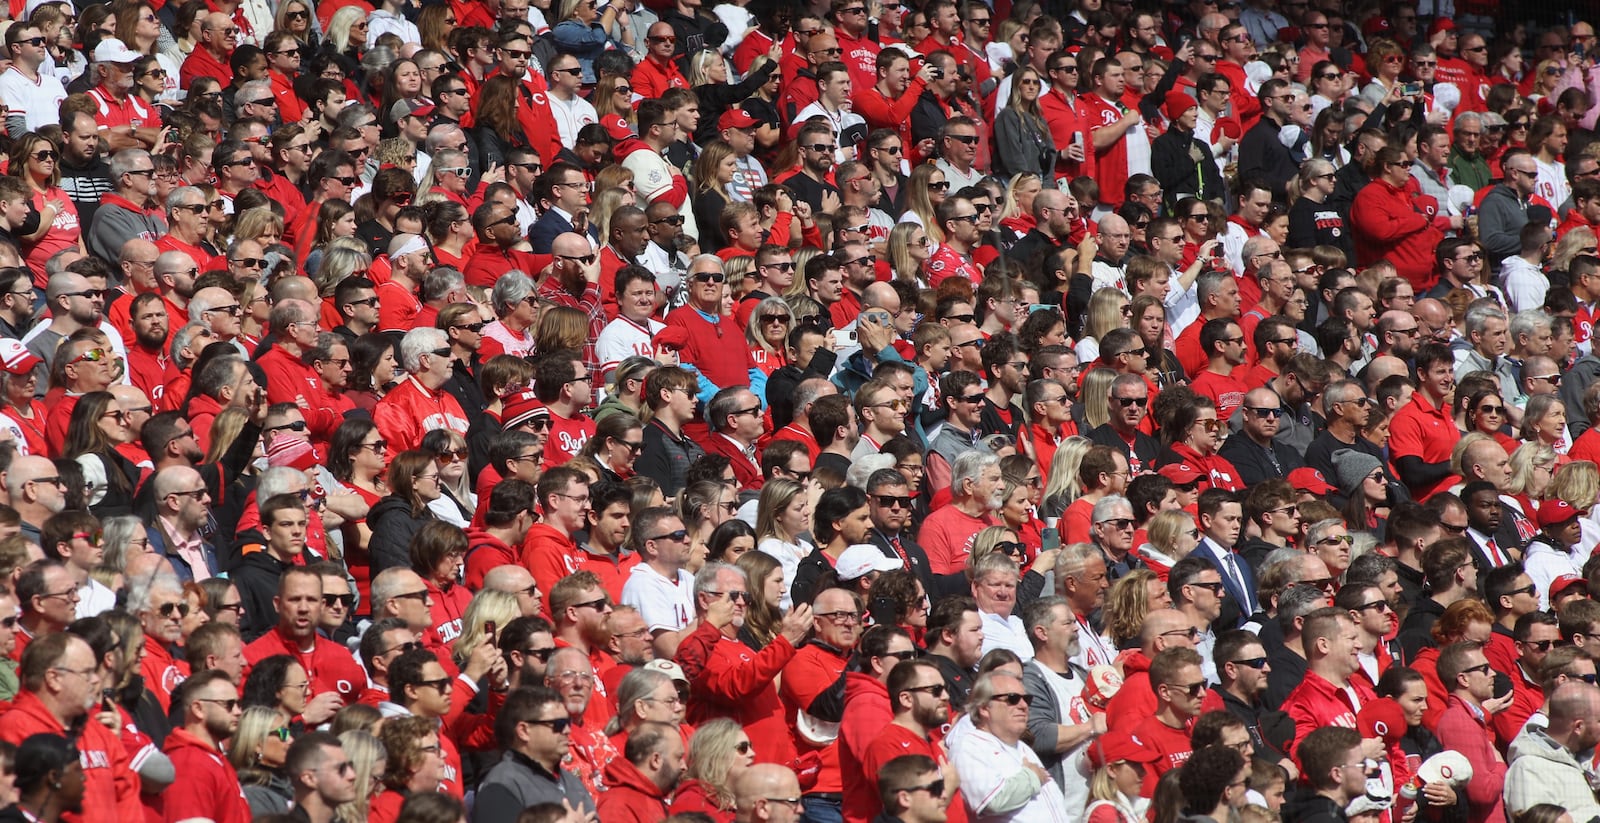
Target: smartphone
[1411,89]
[1051,539]
[878,317]
[488,631]
[107,703]
[844,337]
[938,72]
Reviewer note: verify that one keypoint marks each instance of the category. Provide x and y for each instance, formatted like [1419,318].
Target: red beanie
[1176,103]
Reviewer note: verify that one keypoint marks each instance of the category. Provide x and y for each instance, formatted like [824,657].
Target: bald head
[1158,623]
[764,780]
[296,287]
[1384,365]
[570,245]
[1046,200]
[1262,398]
[1574,701]
[1110,224]
[509,578]
[882,295]
[1430,310]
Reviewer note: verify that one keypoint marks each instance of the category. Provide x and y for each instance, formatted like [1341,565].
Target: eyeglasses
[846,618]
[1012,698]
[227,703]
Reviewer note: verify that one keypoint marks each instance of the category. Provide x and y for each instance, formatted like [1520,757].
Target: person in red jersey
[335,676]
[563,384]
[60,686]
[1179,689]
[727,679]
[1330,694]
[208,788]
[418,404]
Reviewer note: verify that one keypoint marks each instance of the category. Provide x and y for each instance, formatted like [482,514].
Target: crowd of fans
[618,411]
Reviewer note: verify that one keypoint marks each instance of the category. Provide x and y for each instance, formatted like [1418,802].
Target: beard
[997,500]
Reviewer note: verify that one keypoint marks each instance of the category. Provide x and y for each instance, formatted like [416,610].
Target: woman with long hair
[783,513]
[438,554]
[708,77]
[368,758]
[434,24]
[98,427]
[1130,599]
[616,443]
[1016,213]
[258,751]
[703,506]
[767,332]
[926,188]
[356,459]
[613,96]
[719,751]
[1532,467]
[1022,140]
[347,36]
[140,31]
[34,159]
[374,369]
[909,250]
[1311,222]
[1485,411]
[488,606]
[495,129]
[1148,317]
[295,18]
[730,541]
[458,501]
[1327,88]
[765,583]
[335,219]
[1108,309]
[646,696]
[450,229]
[713,171]
[149,80]
[398,517]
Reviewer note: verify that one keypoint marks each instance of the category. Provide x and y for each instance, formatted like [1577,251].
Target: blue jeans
[816,809]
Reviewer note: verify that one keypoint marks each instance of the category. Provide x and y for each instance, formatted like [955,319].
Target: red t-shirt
[947,537]
[1111,162]
[1225,390]
[1172,744]
[567,437]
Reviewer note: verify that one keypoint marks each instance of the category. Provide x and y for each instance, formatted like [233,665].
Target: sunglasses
[346,600]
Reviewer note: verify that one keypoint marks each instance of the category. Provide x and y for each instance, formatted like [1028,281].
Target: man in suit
[1221,520]
[563,193]
[889,503]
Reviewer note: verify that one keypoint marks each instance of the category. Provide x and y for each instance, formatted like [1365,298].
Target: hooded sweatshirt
[866,713]
[550,554]
[1543,771]
[630,796]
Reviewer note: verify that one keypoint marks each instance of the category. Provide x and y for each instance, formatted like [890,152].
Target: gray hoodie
[1543,771]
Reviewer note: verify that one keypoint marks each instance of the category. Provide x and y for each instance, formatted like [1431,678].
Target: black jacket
[1184,165]
[1313,808]
[256,578]
[1416,633]
[1262,155]
[782,383]
[392,529]
[665,459]
[1253,461]
[1144,446]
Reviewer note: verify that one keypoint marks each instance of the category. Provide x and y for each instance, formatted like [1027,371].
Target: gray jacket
[1501,216]
[1543,771]
[1045,716]
[516,782]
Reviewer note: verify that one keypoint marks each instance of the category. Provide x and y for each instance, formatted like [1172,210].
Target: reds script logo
[569,444]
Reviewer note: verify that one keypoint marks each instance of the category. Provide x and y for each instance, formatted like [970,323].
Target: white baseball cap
[862,558]
[112,50]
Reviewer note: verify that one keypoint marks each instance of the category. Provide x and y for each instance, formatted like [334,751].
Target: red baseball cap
[1310,480]
[617,127]
[737,118]
[1116,747]
[1180,473]
[1556,512]
[1561,585]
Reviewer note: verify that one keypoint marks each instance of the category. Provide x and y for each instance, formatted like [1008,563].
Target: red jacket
[411,410]
[161,672]
[730,680]
[866,713]
[448,607]
[813,671]
[329,666]
[110,786]
[485,552]
[1387,225]
[630,796]
[1461,730]
[613,571]
[1316,703]
[1220,474]
[203,411]
[693,796]
[1134,700]
[549,554]
[209,789]
[746,473]
[291,381]
[1426,663]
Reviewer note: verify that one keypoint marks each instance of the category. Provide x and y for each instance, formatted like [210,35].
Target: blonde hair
[252,223]
[776,496]
[1164,529]
[1095,395]
[1578,483]
[1009,207]
[1523,460]
[1063,478]
[1126,606]
[364,752]
[1105,312]
[487,605]
[711,756]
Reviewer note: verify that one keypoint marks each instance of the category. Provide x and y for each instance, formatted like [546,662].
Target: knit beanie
[291,451]
[1176,104]
[1350,467]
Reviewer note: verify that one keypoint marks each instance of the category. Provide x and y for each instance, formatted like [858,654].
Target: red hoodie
[1220,474]
[209,789]
[694,796]
[729,680]
[866,713]
[485,552]
[111,788]
[630,796]
[1387,225]
[550,554]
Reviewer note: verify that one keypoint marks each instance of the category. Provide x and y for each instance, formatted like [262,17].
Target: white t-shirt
[665,605]
[1005,633]
[984,763]
[1074,766]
